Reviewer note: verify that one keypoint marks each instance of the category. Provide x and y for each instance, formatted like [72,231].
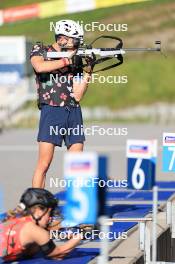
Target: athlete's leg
[46,151]
[77,147]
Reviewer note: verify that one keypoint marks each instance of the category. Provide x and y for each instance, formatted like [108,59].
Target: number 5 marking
[172,158]
[137,171]
[81,197]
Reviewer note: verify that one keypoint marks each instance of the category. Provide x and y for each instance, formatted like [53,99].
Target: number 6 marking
[172,158]
[137,171]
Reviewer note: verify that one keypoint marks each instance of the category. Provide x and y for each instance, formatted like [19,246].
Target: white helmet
[70,29]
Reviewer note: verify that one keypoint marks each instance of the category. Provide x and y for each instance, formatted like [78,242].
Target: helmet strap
[37,219]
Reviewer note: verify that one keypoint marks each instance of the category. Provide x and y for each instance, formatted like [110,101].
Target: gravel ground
[18,156]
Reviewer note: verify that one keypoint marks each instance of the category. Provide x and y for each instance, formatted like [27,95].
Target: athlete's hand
[77,62]
[72,53]
[90,60]
[56,225]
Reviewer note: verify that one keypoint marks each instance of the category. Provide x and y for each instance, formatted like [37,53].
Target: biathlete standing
[58,99]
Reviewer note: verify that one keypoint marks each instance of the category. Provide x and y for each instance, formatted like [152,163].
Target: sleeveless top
[10,245]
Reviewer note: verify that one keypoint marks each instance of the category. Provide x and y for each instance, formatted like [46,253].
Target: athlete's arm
[80,87]
[61,251]
[38,235]
[40,65]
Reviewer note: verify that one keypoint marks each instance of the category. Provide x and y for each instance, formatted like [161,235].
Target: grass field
[142,18]
[150,76]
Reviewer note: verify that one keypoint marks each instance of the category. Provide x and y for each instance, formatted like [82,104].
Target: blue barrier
[129,195]
[84,255]
[78,256]
[138,196]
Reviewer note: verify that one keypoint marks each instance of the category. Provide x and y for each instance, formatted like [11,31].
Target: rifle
[104,54]
[57,225]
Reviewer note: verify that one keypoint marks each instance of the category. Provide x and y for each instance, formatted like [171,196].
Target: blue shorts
[58,124]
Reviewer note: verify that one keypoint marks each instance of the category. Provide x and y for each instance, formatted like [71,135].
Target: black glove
[77,63]
[90,63]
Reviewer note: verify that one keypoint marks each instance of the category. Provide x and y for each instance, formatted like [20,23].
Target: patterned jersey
[10,245]
[54,88]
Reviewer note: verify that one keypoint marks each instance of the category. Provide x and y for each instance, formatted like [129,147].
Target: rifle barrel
[103,52]
[142,49]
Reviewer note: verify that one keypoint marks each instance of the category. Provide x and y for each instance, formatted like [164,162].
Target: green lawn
[38,29]
[150,79]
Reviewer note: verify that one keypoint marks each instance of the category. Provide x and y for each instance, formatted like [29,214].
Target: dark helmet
[37,196]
